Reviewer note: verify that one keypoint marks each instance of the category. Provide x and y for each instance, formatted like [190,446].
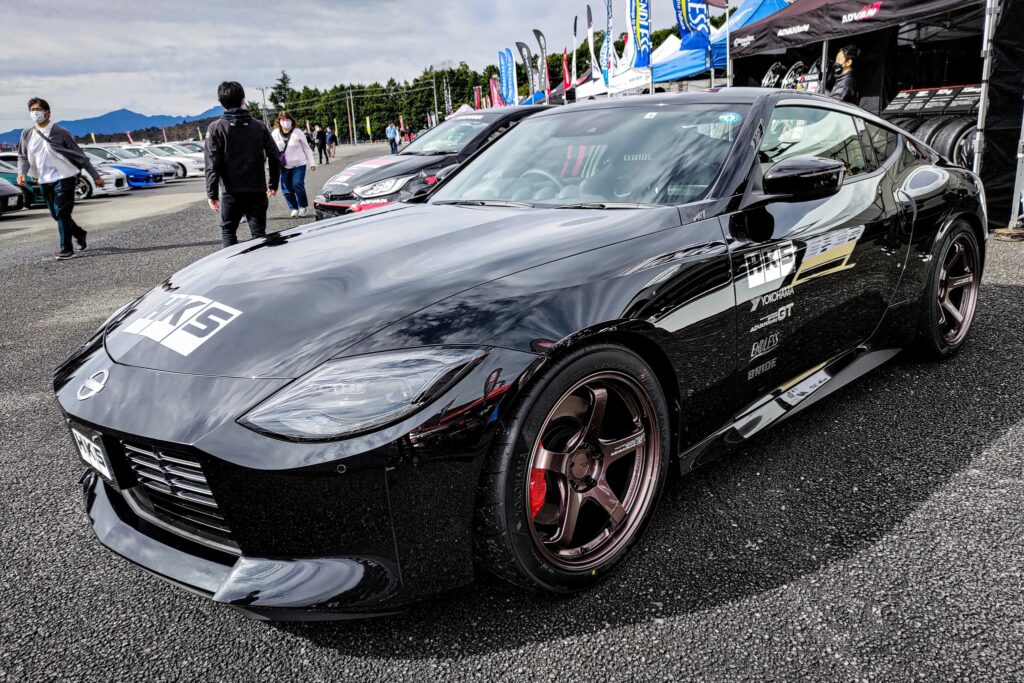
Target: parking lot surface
[876,536]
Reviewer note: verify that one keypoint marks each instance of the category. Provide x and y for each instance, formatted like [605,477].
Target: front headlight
[355,395]
[383,187]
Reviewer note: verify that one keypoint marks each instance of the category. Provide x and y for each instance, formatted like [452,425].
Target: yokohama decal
[183,322]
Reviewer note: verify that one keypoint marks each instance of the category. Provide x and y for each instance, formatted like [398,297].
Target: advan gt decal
[183,322]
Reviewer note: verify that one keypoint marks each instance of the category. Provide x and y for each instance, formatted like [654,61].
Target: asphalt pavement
[876,536]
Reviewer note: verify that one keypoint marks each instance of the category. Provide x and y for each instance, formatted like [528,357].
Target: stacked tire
[950,136]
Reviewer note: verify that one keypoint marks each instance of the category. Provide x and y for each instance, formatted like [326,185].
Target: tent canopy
[675,64]
[811,21]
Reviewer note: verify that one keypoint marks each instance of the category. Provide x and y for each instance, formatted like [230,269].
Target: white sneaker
[294,213]
[303,211]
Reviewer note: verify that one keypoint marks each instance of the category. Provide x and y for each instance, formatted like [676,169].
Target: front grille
[118,182]
[173,489]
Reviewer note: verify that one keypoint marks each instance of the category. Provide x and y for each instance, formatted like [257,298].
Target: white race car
[187,164]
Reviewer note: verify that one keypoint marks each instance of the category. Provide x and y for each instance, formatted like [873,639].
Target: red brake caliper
[538,491]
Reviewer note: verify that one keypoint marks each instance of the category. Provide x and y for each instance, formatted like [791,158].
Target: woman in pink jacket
[295,156]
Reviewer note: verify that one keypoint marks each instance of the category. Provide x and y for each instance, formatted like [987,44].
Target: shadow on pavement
[814,491]
[115,251]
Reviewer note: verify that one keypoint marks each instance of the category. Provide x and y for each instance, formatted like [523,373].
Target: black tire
[927,130]
[946,140]
[912,124]
[506,542]
[933,343]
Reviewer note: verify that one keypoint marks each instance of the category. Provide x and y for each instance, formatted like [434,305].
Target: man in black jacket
[238,151]
[845,88]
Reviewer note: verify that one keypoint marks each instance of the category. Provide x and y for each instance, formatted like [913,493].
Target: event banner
[594,62]
[640,25]
[692,17]
[575,46]
[607,46]
[513,78]
[531,76]
[505,76]
[545,77]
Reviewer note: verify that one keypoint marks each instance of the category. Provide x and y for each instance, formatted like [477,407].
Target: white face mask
[37,115]
[286,125]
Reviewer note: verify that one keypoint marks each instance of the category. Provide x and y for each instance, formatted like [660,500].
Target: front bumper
[324,208]
[263,587]
[333,530]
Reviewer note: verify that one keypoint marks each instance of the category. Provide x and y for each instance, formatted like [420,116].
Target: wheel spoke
[956,256]
[569,513]
[591,429]
[617,448]
[959,281]
[603,495]
[948,307]
[550,460]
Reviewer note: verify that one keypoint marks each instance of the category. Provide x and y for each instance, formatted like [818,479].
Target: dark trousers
[321,154]
[394,145]
[293,187]
[60,200]
[233,207]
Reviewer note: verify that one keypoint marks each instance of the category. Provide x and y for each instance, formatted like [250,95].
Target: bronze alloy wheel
[593,471]
[959,280]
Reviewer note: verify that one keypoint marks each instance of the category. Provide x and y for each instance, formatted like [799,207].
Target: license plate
[90,447]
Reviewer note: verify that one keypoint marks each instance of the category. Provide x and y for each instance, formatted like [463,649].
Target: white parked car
[179,150]
[168,168]
[187,164]
[192,145]
[114,182]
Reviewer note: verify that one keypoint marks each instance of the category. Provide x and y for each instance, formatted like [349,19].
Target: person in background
[48,153]
[238,150]
[295,155]
[845,88]
[321,144]
[332,140]
[391,133]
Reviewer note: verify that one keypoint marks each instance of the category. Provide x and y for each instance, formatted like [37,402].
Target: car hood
[8,189]
[281,305]
[381,168]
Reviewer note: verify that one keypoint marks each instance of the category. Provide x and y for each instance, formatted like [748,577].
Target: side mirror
[803,177]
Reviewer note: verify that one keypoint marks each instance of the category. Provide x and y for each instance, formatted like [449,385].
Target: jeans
[251,205]
[293,187]
[394,145]
[60,200]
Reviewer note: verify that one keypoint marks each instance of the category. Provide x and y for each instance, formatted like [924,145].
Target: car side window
[809,131]
[884,141]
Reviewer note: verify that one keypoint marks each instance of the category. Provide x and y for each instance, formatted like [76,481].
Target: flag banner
[531,76]
[130,141]
[694,29]
[720,4]
[369,131]
[496,98]
[545,77]
[164,131]
[477,97]
[640,24]
[514,78]
[595,64]
[575,47]
[447,97]
[566,77]
[401,123]
[93,136]
[607,46]
[506,68]
[200,131]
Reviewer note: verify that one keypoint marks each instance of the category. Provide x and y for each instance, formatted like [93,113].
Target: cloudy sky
[167,57]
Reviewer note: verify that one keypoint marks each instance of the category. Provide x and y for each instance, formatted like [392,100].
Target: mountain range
[117,121]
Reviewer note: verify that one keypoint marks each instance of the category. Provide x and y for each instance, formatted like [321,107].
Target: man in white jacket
[295,155]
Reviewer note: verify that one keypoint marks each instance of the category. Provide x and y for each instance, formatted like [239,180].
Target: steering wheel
[546,175]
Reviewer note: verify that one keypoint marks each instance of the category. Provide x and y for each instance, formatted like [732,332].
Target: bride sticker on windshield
[729,118]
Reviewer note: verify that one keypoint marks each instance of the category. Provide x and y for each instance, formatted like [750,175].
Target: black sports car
[372,183]
[11,198]
[343,417]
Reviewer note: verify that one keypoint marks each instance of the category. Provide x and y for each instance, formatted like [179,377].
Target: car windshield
[192,147]
[123,153]
[101,154]
[602,158]
[158,151]
[6,167]
[450,137]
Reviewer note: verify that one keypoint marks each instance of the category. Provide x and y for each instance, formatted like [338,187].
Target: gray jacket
[63,143]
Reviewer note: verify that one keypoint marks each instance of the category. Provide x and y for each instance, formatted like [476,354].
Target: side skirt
[784,402]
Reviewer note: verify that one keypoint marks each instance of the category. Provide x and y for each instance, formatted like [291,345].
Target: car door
[813,277]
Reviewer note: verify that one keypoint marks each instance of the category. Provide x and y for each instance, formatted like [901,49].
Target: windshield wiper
[485,202]
[432,153]
[603,205]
